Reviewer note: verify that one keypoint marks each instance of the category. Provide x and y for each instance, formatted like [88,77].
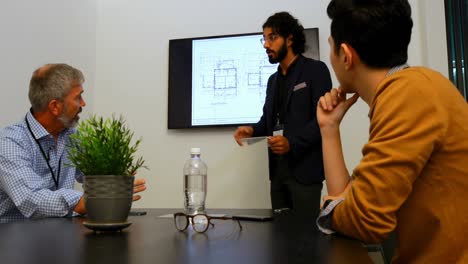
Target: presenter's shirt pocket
[300,105]
[299,86]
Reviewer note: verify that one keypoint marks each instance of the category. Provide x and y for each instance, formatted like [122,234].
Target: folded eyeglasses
[200,222]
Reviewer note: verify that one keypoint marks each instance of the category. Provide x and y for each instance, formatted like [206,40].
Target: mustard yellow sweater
[413,176]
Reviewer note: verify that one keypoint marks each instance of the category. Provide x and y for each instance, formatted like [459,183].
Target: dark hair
[379,30]
[284,24]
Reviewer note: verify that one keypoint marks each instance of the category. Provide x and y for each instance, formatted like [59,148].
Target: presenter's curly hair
[285,24]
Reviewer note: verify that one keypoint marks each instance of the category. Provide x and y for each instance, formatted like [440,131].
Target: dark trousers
[286,192]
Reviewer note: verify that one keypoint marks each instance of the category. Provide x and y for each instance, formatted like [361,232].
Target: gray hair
[52,82]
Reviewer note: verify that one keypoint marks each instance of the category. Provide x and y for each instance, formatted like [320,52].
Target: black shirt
[281,93]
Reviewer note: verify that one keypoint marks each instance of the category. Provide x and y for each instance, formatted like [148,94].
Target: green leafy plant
[104,147]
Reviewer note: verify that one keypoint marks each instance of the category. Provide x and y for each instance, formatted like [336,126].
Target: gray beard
[67,122]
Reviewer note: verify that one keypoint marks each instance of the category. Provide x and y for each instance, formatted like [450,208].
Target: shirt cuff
[72,197]
[324,220]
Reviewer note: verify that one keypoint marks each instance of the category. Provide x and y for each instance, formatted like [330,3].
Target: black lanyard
[280,98]
[56,179]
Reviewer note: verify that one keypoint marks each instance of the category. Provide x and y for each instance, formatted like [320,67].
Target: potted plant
[103,150]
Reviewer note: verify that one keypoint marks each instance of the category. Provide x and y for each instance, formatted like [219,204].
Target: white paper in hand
[251,140]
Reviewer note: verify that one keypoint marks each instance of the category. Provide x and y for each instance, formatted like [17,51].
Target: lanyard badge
[278,128]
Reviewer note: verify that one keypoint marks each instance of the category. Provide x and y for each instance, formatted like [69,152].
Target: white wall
[122,47]
[132,54]
[37,32]
[132,61]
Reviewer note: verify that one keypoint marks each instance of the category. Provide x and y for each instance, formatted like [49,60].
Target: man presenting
[289,119]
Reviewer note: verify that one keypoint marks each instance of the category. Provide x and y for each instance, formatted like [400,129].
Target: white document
[252,140]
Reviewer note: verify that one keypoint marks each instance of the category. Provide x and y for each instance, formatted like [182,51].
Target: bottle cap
[195,151]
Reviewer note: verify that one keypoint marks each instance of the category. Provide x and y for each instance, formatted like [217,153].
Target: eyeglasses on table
[200,222]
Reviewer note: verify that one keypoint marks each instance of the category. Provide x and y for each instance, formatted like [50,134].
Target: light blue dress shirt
[27,187]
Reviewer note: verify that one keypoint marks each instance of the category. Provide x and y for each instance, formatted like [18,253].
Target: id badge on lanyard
[278,129]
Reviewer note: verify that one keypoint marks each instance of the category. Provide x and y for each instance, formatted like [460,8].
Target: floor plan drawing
[229,79]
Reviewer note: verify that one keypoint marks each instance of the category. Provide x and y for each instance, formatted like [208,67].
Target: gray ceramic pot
[108,198]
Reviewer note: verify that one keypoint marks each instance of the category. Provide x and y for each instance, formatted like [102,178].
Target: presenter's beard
[70,122]
[280,55]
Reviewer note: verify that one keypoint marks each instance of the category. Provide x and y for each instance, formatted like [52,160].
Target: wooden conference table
[154,239]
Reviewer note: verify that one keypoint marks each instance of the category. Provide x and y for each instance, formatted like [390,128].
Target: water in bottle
[195,171]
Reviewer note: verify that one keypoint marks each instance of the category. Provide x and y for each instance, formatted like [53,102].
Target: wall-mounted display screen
[221,80]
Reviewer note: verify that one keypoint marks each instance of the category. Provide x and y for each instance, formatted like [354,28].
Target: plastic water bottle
[195,171]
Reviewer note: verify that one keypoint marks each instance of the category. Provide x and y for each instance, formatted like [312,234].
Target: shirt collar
[397,68]
[38,130]
[290,67]
[390,72]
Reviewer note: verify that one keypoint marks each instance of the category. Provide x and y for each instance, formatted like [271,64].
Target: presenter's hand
[138,186]
[278,144]
[331,108]
[242,132]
